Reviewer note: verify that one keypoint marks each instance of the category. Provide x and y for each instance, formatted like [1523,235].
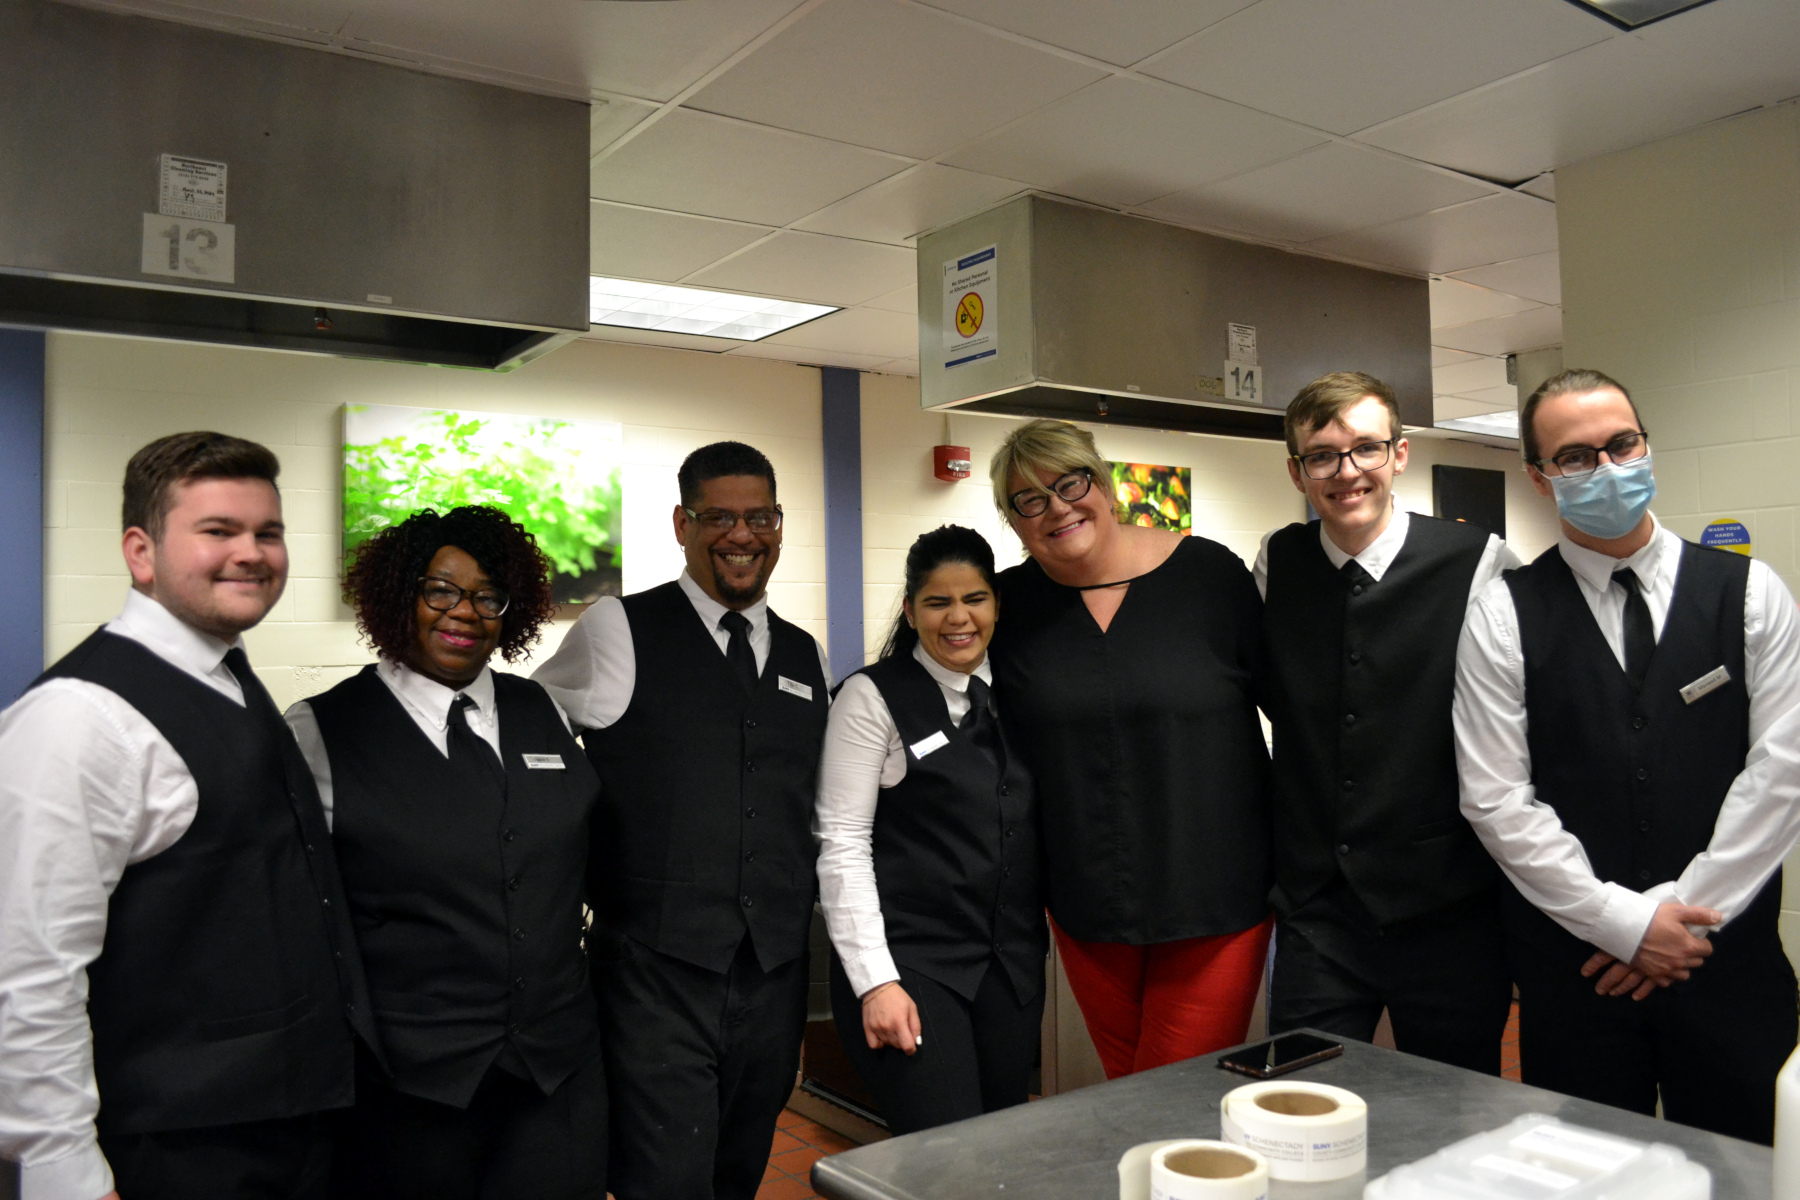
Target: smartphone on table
[1279,1055]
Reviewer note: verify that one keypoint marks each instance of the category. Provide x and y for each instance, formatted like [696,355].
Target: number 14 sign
[189,249]
[1243,382]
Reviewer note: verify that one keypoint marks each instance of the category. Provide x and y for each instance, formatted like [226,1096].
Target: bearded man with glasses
[1383,895]
[704,714]
[1628,735]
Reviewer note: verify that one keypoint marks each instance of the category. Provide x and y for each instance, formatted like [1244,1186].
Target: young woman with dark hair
[928,862]
[460,808]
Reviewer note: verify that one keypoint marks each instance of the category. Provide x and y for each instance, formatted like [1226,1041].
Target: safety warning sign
[971,308]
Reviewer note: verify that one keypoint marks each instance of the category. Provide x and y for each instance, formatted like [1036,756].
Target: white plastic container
[1540,1158]
[1787,1130]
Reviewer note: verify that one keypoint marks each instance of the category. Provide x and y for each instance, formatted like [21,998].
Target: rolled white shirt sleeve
[861,755]
[593,673]
[90,787]
[1525,836]
[305,726]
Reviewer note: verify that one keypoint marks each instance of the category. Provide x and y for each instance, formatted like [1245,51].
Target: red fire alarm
[951,463]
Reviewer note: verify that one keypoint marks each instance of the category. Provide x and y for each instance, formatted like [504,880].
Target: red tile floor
[1509,1046]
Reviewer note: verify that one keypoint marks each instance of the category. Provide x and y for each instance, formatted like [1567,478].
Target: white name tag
[544,762]
[924,746]
[1712,681]
[804,691]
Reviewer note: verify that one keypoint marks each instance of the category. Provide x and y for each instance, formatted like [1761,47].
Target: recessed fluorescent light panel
[1503,424]
[670,309]
[1631,14]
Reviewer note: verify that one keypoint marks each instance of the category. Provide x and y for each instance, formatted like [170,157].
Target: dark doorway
[1473,494]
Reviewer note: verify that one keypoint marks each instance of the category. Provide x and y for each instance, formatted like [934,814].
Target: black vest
[1358,682]
[706,796]
[221,992]
[1638,778]
[956,848]
[466,896]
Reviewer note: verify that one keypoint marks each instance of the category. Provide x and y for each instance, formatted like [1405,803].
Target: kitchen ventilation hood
[1093,316]
[165,181]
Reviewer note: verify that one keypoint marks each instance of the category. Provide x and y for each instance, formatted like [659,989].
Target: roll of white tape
[1200,1169]
[1309,1132]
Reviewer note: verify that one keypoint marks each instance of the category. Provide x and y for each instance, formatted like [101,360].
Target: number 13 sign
[189,249]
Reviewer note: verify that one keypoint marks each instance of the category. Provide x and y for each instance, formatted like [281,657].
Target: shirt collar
[956,681]
[431,699]
[711,610]
[170,637]
[1379,554]
[1596,569]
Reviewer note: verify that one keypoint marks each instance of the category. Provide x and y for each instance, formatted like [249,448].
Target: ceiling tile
[1344,67]
[857,331]
[609,120]
[1503,226]
[1502,397]
[900,366]
[807,356]
[656,337]
[905,300]
[1329,190]
[814,268]
[1543,186]
[1470,376]
[1126,141]
[1129,31]
[1704,64]
[690,162]
[1449,408]
[1531,330]
[1456,303]
[925,197]
[639,243]
[1538,277]
[894,77]
[1442,356]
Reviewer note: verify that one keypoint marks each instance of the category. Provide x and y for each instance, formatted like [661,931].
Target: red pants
[1146,1006]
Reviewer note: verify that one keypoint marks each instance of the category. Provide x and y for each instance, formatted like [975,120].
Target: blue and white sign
[1726,534]
[971,330]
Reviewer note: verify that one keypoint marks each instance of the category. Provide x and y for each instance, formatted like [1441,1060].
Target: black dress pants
[976,1057]
[1442,977]
[1710,1047]
[288,1159]
[700,1064]
[511,1143]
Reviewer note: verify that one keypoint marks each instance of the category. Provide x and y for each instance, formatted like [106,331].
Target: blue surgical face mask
[1609,502]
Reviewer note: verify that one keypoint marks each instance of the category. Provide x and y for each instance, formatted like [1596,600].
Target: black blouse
[1152,772]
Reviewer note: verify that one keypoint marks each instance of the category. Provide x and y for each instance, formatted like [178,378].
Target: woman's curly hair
[382,584]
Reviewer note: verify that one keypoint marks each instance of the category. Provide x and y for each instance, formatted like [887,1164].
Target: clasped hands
[1667,953]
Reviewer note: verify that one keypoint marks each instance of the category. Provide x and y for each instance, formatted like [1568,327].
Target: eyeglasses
[719,520]
[442,595]
[1577,461]
[1323,464]
[1069,488]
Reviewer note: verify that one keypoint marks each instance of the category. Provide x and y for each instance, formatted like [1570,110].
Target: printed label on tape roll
[1309,1132]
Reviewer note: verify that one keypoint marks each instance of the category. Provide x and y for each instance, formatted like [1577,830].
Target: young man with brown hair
[180,976]
[1383,896]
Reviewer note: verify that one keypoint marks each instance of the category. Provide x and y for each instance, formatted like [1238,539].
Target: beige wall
[1681,278]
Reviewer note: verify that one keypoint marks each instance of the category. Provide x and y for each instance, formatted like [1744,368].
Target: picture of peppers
[1157,497]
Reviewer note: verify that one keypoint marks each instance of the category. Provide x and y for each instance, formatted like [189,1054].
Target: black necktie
[256,696]
[1640,634]
[737,651]
[1360,579]
[468,750]
[978,722]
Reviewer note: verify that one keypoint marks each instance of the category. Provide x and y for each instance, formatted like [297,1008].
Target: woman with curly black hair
[460,806]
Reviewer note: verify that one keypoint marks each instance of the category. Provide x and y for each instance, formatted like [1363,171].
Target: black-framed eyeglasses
[720,520]
[1577,461]
[1323,464]
[442,596]
[1069,488]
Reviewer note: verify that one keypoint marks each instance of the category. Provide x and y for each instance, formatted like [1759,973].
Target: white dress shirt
[863,755]
[89,788]
[426,701]
[1379,555]
[1759,820]
[594,671]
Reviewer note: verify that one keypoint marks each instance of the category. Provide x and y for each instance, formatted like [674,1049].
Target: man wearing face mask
[703,713]
[1627,714]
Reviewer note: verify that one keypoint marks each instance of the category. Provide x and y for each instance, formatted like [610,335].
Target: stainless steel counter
[1068,1146]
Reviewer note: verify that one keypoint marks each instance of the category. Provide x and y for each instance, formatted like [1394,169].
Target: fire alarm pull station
[951,463]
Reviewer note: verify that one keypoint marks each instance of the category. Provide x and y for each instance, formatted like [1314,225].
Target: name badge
[544,762]
[1710,682]
[924,746]
[804,691]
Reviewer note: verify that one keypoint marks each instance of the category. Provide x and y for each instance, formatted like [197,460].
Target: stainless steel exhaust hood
[1090,315]
[166,181]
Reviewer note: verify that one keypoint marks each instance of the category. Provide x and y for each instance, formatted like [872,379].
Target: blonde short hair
[1053,446]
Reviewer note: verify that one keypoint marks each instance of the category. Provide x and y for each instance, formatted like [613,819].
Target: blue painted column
[841,409]
[21,508]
